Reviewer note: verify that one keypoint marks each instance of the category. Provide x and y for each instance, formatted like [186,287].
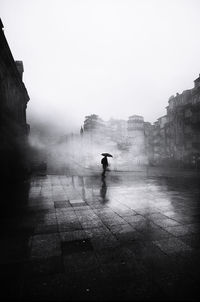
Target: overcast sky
[112,58]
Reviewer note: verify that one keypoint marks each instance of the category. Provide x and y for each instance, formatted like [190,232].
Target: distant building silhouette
[93,123]
[174,139]
[176,136]
[132,136]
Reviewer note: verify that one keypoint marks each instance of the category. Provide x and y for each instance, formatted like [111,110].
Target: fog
[81,153]
[114,58]
[79,156]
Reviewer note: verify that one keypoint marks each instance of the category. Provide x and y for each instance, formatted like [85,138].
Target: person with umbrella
[104,162]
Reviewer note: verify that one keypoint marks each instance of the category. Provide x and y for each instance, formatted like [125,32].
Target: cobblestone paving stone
[68,241]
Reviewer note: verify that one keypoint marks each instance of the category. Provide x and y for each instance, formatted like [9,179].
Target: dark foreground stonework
[126,237]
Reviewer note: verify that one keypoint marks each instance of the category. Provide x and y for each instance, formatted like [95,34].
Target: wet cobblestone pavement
[123,237]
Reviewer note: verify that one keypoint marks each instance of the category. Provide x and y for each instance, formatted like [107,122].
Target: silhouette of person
[104,163]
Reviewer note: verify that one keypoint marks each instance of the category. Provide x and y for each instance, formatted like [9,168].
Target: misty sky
[112,58]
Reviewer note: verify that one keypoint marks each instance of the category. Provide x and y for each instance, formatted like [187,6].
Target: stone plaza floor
[123,237]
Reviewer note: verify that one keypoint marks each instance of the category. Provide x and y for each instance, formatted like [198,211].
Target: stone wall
[13,126]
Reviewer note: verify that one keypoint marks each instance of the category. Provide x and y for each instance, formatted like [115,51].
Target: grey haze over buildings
[112,58]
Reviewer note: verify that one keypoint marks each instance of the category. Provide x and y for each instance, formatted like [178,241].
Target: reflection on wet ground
[122,236]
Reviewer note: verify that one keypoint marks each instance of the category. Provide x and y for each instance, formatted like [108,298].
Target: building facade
[13,103]
[172,140]
[132,137]
[177,134]
[148,134]
[136,134]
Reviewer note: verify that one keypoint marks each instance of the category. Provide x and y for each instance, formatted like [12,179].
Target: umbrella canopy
[106,154]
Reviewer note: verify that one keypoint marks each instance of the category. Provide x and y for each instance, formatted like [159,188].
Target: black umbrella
[106,154]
